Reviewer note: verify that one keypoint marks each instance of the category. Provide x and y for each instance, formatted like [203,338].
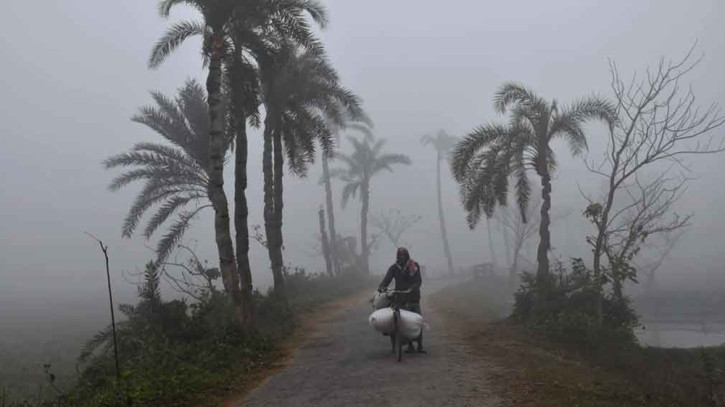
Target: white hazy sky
[74,71]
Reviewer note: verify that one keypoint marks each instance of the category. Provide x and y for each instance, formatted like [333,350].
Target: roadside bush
[562,309]
[173,353]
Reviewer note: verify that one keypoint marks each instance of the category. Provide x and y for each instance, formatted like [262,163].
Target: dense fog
[74,72]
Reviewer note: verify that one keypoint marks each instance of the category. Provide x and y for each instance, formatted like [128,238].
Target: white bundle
[411,324]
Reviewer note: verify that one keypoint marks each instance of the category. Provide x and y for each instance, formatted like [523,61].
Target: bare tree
[657,124]
[393,224]
[188,274]
[104,250]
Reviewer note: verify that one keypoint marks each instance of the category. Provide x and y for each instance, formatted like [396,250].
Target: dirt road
[343,362]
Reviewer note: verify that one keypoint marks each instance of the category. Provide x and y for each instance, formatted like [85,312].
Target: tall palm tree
[216,16]
[176,176]
[485,159]
[234,33]
[443,143]
[366,160]
[258,27]
[361,125]
[301,94]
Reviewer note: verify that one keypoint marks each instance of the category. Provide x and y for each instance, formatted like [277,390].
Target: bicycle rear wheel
[399,346]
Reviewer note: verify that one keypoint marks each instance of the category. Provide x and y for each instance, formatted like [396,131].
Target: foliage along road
[343,362]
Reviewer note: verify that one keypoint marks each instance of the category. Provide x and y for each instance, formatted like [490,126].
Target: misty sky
[74,71]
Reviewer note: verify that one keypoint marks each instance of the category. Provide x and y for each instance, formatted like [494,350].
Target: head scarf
[403,260]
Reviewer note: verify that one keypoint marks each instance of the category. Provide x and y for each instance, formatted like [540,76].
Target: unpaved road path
[343,362]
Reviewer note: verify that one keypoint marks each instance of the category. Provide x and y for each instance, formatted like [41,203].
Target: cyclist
[406,273]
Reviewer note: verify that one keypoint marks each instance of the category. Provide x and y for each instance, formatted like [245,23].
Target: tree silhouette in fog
[485,160]
[175,174]
[366,160]
[442,142]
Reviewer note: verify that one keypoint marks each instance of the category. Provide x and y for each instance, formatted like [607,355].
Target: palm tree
[301,94]
[234,33]
[366,160]
[361,125]
[258,27]
[443,143]
[485,159]
[176,176]
[217,16]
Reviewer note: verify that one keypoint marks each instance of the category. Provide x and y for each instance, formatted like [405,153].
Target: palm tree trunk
[490,243]
[334,253]
[364,226]
[441,218]
[241,210]
[325,243]
[268,175]
[514,272]
[218,198]
[277,243]
[542,255]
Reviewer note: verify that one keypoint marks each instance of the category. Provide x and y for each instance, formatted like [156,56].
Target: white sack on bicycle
[411,324]
[380,300]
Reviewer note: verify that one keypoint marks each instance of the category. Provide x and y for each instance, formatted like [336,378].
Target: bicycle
[396,339]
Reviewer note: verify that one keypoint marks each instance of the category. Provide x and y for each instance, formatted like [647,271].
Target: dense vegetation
[178,353]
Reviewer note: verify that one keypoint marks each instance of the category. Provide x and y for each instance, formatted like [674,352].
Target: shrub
[562,309]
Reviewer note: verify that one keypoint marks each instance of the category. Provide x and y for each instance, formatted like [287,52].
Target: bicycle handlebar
[389,291]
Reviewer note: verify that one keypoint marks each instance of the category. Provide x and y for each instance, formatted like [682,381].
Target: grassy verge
[536,372]
[175,354]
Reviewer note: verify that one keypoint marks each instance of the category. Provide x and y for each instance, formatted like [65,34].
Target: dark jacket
[405,279]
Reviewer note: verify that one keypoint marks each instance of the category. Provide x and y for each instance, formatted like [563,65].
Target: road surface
[343,362]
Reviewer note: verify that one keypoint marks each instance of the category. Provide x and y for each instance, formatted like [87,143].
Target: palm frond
[150,291]
[174,234]
[192,104]
[385,161]
[172,39]
[362,128]
[101,337]
[466,149]
[510,93]
[349,190]
[566,125]
[165,6]
[593,107]
[154,191]
[166,210]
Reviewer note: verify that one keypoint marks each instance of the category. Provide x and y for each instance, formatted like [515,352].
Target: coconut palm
[302,95]
[176,174]
[442,143]
[366,160]
[486,158]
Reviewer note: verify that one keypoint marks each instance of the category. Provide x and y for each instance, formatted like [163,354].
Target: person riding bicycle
[406,273]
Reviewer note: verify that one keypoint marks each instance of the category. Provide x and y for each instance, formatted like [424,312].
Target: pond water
[681,334]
